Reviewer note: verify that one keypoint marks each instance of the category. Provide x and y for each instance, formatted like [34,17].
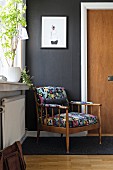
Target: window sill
[10,86]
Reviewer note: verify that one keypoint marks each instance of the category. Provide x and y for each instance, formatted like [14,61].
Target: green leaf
[11,17]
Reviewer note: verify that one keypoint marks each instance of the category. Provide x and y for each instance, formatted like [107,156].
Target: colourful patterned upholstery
[75,120]
[52,95]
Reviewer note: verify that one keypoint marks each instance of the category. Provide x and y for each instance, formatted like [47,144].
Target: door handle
[110,78]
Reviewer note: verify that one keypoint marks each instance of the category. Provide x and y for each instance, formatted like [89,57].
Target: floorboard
[69,162]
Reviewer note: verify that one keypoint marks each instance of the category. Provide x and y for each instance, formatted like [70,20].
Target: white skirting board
[50,134]
[13,119]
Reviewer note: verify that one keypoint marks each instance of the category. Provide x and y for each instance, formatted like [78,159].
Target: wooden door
[100,64]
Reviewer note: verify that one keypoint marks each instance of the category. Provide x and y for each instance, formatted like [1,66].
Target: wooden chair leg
[100,135]
[67,143]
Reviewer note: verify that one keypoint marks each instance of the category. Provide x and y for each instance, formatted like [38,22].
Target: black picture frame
[54,32]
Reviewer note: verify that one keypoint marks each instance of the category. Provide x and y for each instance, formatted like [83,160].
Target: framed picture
[54,32]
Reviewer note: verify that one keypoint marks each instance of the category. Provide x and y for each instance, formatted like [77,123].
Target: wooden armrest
[85,103]
[54,106]
[63,107]
[50,105]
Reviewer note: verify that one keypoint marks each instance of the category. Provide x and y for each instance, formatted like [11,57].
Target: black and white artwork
[54,32]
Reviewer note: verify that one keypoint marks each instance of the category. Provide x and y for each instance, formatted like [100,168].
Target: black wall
[56,67]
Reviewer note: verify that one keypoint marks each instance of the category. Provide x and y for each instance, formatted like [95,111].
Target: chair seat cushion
[75,120]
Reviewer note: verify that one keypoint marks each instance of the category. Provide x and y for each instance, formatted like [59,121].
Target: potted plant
[11,23]
[26,78]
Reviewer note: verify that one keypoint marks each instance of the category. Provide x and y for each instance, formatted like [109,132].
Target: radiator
[13,119]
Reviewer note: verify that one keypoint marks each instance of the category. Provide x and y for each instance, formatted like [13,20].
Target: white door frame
[84,7]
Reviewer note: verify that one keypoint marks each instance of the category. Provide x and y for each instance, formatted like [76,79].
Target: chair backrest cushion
[52,95]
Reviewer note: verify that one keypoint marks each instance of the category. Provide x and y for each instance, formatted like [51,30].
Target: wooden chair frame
[66,130]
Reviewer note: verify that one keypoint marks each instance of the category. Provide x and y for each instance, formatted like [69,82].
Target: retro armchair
[56,114]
